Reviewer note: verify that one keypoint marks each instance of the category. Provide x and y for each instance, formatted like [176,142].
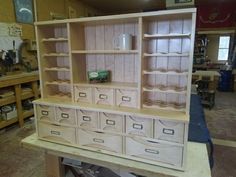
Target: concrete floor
[16,161]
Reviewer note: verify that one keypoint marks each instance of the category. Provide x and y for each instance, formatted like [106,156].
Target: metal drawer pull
[86,118]
[138,126]
[98,140]
[168,131]
[110,122]
[82,94]
[102,96]
[126,98]
[44,113]
[152,151]
[55,133]
[65,116]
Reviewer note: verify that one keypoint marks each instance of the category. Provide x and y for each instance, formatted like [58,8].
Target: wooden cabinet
[144,108]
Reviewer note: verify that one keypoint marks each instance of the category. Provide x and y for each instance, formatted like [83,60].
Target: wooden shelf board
[28,113]
[57,69]
[104,51]
[54,40]
[166,54]
[56,55]
[121,85]
[7,100]
[26,95]
[5,123]
[170,35]
[167,73]
[58,83]
[163,91]
[168,108]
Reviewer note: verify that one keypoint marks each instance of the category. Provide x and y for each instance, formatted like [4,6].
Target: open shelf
[163,54]
[57,69]
[184,73]
[170,35]
[56,55]
[5,123]
[58,82]
[7,100]
[55,39]
[26,95]
[28,113]
[119,85]
[104,51]
[165,89]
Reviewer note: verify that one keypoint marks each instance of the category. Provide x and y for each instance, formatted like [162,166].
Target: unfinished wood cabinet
[142,112]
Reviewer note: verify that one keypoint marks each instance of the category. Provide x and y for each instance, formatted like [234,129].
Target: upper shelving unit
[153,67]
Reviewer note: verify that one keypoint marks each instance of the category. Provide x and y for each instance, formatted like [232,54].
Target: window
[223,48]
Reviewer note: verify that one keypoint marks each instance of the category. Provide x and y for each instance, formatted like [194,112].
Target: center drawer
[99,140]
[111,122]
[155,151]
[66,115]
[126,98]
[139,126]
[88,119]
[104,96]
[57,133]
[45,113]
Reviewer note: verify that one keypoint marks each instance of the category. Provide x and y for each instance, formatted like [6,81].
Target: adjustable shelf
[170,35]
[166,54]
[177,73]
[104,51]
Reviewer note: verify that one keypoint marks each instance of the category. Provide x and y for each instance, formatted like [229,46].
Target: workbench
[16,81]
[197,160]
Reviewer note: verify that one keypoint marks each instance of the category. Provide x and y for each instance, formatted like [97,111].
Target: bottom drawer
[57,133]
[100,140]
[160,152]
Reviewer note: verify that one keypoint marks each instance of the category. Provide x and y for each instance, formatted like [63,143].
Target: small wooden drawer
[88,119]
[169,131]
[155,151]
[111,122]
[83,94]
[99,140]
[104,96]
[126,98]
[66,115]
[57,133]
[139,126]
[45,113]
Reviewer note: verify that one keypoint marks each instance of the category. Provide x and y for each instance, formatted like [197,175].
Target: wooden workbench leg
[34,86]
[54,168]
[19,105]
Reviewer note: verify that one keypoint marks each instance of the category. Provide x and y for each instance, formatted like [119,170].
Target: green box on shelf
[98,76]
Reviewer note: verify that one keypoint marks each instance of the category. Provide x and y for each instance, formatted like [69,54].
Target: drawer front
[57,133]
[126,98]
[139,126]
[104,96]
[83,94]
[66,115]
[100,141]
[88,119]
[111,122]
[151,150]
[169,131]
[45,113]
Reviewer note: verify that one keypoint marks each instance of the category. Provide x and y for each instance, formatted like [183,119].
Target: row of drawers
[106,96]
[131,146]
[120,124]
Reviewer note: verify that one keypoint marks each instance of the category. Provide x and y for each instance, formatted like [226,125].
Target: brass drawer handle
[55,133]
[65,116]
[138,126]
[82,94]
[86,118]
[126,98]
[168,131]
[98,140]
[44,113]
[110,122]
[152,151]
[103,96]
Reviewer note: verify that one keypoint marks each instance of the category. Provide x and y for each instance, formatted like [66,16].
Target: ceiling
[113,6]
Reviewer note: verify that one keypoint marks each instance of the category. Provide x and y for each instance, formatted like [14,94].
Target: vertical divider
[190,67]
[70,62]
[140,62]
